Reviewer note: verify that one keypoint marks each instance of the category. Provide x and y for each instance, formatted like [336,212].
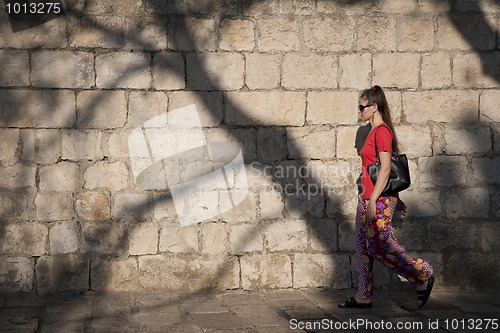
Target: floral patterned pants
[375,240]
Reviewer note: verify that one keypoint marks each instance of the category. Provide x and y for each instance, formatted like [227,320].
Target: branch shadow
[319,230]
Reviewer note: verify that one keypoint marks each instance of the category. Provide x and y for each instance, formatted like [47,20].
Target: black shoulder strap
[375,139]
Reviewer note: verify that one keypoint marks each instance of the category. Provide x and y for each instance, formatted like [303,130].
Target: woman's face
[365,110]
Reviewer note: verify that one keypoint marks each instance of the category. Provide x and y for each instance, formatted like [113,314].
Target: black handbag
[399,176]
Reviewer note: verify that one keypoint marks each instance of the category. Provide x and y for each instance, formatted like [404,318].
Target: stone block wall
[281,80]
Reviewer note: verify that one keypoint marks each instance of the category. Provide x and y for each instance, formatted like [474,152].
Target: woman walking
[374,238]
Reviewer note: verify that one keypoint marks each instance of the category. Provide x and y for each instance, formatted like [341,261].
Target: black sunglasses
[362,107]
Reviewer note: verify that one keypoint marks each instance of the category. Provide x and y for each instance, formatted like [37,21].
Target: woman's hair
[375,95]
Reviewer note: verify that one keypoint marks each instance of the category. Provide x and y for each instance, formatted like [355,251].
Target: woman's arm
[382,178]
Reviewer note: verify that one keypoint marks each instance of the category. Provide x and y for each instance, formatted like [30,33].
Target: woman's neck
[376,120]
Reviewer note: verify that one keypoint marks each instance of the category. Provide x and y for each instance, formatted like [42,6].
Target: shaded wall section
[280,81]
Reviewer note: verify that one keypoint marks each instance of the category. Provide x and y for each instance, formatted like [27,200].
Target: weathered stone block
[130,206]
[93,206]
[323,235]
[415,141]
[489,100]
[266,272]
[346,142]
[169,273]
[27,141]
[246,238]
[17,176]
[485,170]
[103,238]
[143,239]
[37,108]
[177,239]
[168,71]
[421,203]
[145,33]
[260,8]
[395,7]
[123,70]
[265,108]
[62,274]
[311,142]
[278,34]
[215,71]
[472,140]
[101,109]
[14,66]
[52,34]
[244,211]
[471,70]
[122,7]
[471,270]
[271,205]
[144,105]
[469,202]
[28,239]
[237,35]
[430,6]
[439,105]
[214,238]
[332,174]
[108,175]
[315,270]
[298,7]
[333,7]
[354,70]
[85,34]
[189,34]
[288,235]
[318,31]
[335,107]
[17,206]
[443,171]
[9,146]
[308,200]
[311,71]
[377,33]
[62,69]
[244,138]
[490,236]
[414,33]
[262,71]
[16,274]
[53,207]
[271,144]
[396,70]
[115,275]
[115,145]
[63,238]
[436,70]
[43,146]
[449,36]
[209,105]
[342,201]
[346,236]
[60,177]
[81,145]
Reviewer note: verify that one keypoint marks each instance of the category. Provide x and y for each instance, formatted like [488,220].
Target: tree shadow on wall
[62,271]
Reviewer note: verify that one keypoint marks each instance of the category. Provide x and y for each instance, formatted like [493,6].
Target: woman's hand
[371,211]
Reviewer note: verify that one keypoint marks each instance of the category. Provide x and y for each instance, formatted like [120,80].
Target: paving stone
[223,320]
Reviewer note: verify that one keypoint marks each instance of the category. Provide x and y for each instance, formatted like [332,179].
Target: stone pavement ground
[238,311]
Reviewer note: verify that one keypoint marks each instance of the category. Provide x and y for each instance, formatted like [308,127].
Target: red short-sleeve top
[368,156]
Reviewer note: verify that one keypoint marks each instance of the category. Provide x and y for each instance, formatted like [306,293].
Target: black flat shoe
[351,303]
[423,295]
